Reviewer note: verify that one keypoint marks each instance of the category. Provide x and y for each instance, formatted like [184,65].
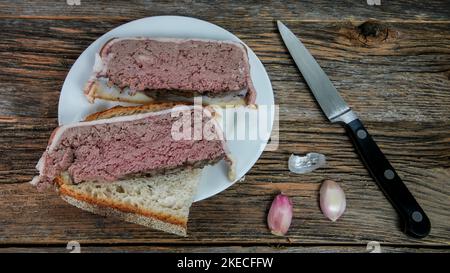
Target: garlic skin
[332,200]
[307,163]
[280,215]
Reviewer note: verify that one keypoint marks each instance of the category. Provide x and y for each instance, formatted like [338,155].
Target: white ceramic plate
[73,106]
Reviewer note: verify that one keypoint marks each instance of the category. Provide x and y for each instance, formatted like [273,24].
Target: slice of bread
[118,111]
[160,202]
[98,89]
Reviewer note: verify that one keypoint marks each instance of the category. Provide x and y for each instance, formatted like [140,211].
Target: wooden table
[394,72]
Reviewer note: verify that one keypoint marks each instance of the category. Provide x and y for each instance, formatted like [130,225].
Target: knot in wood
[374,29]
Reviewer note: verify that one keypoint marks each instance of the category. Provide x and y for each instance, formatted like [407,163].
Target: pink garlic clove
[280,215]
[332,200]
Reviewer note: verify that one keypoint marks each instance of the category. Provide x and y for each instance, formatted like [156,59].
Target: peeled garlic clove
[332,200]
[280,215]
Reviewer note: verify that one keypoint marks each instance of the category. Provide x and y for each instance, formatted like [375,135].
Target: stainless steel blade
[324,91]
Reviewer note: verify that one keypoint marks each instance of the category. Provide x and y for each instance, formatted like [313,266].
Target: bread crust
[132,110]
[65,190]
[94,90]
[129,217]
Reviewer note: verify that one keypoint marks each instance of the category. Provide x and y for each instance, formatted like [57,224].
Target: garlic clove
[280,215]
[332,200]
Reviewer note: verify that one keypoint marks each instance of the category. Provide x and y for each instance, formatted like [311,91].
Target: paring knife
[415,221]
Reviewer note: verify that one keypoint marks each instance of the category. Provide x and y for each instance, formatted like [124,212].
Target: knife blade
[414,220]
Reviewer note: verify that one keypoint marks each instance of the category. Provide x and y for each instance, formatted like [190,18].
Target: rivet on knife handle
[415,221]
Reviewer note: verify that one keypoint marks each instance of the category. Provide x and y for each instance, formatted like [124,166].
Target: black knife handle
[415,221]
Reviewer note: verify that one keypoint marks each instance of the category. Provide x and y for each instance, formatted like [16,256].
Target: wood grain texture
[235,216]
[395,77]
[315,10]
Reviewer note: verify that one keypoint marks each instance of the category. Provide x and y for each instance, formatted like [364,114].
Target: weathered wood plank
[398,81]
[237,215]
[232,10]
[222,249]
[403,94]
[403,78]
[22,141]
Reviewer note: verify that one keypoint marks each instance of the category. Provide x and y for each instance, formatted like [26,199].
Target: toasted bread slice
[99,89]
[159,202]
[118,111]
[96,89]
